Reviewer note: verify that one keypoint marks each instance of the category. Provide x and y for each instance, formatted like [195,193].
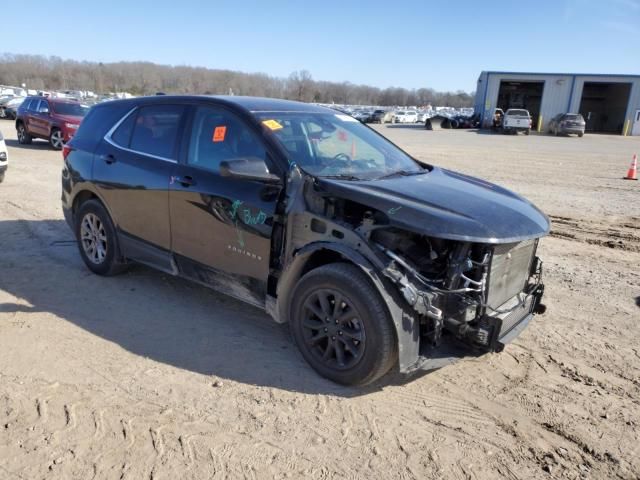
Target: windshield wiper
[404,173]
[342,176]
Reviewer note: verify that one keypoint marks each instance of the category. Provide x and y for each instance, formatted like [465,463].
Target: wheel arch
[323,253]
[84,194]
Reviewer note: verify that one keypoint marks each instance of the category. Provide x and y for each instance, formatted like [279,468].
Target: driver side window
[218,135]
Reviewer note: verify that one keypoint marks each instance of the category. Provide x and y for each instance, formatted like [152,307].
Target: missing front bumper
[504,327]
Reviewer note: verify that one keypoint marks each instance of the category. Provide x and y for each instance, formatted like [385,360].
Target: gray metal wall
[562,93]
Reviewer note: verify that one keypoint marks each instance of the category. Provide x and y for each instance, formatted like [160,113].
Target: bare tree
[39,72]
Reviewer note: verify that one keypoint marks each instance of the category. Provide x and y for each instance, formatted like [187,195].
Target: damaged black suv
[375,260]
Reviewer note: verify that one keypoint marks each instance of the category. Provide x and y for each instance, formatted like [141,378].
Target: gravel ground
[149,376]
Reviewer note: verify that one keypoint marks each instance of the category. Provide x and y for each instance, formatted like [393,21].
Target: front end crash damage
[469,296]
[448,298]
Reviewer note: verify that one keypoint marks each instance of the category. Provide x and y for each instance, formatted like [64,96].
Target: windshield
[330,145]
[70,109]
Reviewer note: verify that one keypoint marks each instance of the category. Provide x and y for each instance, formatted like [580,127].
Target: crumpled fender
[404,318]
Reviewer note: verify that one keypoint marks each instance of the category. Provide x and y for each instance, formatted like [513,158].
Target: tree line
[141,78]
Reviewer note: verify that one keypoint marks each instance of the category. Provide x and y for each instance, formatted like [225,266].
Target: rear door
[221,227]
[42,119]
[132,168]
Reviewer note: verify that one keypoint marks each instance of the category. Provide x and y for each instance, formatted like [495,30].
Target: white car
[4,157]
[423,116]
[405,116]
[516,120]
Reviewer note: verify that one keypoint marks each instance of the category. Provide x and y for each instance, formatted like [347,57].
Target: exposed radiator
[510,267]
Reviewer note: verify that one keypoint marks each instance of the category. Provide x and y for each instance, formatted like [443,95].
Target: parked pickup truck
[516,120]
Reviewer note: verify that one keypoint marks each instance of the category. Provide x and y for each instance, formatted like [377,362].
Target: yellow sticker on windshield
[272,124]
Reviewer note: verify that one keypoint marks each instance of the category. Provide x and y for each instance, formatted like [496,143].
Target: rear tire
[580,134]
[527,131]
[97,239]
[23,137]
[341,325]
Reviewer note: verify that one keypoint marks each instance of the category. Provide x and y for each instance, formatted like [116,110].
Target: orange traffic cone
[632,174]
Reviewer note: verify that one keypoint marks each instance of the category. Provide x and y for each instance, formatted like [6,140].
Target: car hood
[69,118]
[446,204]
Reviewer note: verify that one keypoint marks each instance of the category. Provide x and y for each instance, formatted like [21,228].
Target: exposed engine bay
[476,292]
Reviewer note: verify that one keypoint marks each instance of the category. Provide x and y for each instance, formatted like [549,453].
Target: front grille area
[510,267]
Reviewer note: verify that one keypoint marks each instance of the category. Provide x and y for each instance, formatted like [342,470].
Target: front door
[34,120]
[221,227]
[636,124]
[132,168]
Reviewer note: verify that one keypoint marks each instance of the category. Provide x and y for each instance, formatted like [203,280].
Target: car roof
[248,104]
[52,99]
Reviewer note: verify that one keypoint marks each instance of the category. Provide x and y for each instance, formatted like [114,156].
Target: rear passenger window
[218,135]
[122,135]
[156,130]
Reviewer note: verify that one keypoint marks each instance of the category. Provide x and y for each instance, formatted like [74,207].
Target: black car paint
[448,205]
[206,229]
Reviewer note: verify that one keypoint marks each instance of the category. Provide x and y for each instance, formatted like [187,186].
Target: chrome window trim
[109,140]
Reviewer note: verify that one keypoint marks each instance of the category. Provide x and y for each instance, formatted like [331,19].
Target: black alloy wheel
[342,325]
[332,329]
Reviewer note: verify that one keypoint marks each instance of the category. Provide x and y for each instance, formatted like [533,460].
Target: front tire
[97,239]
[56,139]
[341,325]
[23,137]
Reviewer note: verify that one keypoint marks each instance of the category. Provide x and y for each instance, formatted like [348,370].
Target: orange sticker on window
[219,133]
[272,124]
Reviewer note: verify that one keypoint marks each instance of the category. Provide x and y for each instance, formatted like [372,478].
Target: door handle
[108,159]
[185,181]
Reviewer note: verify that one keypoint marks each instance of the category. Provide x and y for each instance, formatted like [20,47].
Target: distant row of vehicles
[455,120]
[516,120]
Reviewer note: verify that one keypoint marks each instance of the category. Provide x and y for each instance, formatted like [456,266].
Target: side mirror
[248,168]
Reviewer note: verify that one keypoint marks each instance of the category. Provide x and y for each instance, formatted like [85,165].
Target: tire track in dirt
[624,235]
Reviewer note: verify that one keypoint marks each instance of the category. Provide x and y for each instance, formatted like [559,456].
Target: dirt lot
[148,376]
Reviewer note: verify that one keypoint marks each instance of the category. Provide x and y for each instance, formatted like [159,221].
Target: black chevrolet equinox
[377,261]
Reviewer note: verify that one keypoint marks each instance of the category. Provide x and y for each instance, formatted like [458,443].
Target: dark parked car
[375,260]
[11,108]
[3,103]
[567,123]
[377,116]
[52,119]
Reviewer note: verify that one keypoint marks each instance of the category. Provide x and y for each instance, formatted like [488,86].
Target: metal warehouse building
[608,103]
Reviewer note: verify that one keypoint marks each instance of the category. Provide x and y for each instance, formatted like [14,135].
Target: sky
[413,44]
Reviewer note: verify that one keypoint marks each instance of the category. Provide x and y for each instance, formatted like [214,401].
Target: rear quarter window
[97,123]
[156,130]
